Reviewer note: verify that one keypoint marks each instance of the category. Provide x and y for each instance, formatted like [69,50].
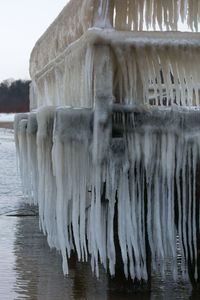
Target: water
[30,270]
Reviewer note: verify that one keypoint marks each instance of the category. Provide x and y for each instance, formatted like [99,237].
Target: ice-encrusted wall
[112,149]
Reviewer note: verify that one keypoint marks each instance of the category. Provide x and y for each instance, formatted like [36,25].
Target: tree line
[14,96]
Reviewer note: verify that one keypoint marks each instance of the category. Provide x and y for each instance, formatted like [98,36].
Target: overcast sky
[22,22]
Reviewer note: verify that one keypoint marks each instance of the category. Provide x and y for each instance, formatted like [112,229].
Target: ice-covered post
[103,99]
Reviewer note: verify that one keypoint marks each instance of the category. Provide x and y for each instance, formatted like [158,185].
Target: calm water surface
[30,270]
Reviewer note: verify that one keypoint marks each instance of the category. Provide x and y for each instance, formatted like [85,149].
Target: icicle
[23,156]
[71,163]
[194,209]
[32,157]
[18,118]
[187,10]
[47,187]
[111,194]
[123,212]
[149,146]
[179,154]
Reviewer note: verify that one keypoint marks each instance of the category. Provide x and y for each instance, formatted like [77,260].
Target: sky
[22,22]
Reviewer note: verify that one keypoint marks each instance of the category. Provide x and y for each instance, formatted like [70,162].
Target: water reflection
[39,274]
[7,258]
[39,271]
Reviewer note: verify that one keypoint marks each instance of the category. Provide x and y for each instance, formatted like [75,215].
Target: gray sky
[22,22]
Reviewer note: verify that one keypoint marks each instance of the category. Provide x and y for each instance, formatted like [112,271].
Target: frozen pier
[112,145]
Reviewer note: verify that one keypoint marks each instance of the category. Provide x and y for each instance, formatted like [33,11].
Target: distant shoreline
[6,124]
[6,120]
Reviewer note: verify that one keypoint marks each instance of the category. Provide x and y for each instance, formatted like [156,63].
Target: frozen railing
[135,15]
[153,68]
[149,68]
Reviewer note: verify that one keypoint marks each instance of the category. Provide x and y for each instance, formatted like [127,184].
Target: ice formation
[148,177]
[152,69]
[126,15]
[112,150]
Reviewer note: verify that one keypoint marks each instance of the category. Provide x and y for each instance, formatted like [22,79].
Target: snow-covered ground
[6,117]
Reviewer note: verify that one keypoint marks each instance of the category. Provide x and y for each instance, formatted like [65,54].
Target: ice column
[32,157]
[72,169]
[47,187]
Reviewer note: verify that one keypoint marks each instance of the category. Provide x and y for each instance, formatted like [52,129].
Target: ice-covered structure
[111,149]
